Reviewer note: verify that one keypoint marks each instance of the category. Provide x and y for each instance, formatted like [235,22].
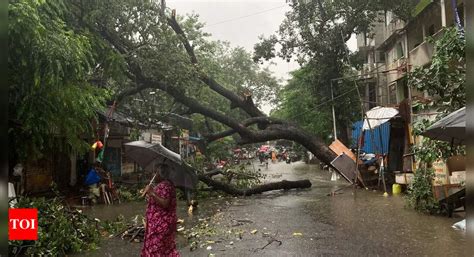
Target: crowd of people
[275,154]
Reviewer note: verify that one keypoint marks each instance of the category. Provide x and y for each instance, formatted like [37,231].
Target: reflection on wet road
[354,223]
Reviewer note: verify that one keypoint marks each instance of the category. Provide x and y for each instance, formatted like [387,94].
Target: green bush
[60,230]
[420,193]
[131,193]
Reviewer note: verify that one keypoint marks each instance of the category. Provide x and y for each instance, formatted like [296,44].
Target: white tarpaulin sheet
[377,116]
[460,225]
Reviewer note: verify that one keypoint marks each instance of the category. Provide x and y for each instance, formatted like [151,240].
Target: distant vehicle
[294,157]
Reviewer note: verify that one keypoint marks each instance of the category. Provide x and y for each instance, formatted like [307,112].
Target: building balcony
[370,70]
[392,27]
[422,54]
[396,70]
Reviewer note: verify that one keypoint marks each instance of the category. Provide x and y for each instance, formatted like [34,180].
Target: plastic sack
[92,177]
[460,225]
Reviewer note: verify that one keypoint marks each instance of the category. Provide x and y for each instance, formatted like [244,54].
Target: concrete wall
[391,25]
[412,40]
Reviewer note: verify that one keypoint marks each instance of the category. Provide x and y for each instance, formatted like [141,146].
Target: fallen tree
[257,127]
[230,175]
[267,128]
[229,189]
[140,35]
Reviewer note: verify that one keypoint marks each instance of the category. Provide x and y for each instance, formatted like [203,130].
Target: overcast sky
[241,23]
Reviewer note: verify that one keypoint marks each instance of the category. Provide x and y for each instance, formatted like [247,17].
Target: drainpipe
[333,113]
[410,112]
[443,13]
[378,91]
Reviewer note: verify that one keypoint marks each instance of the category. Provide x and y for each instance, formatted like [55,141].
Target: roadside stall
[450,192]
[371,139]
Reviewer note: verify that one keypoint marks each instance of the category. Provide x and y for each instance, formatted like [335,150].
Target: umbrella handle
[151,181]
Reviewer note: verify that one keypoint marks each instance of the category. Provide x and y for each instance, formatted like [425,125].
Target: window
[402,89]
[461,14]
[372,96]
[383,95]
[388,18]
[392,93]
[380,57]
[431,30]
[399,50]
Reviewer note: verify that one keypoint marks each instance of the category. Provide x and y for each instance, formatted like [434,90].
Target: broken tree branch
[237,101]
[263,121]
[270,241]
[271,130]
[284,184]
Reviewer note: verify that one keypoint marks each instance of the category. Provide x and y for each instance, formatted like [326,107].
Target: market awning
[451,128]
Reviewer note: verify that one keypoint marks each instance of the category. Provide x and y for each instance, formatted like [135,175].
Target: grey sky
[224,20]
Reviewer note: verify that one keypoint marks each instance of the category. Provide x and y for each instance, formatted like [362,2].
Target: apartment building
[394,46]
[391,49]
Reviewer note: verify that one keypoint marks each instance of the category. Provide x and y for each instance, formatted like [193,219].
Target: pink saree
[160,230]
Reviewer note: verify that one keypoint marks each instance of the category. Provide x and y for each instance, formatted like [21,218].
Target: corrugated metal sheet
[374,140]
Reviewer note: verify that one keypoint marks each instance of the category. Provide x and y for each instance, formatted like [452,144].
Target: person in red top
[160,230]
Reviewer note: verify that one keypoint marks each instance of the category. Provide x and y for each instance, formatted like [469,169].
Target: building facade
[392,49]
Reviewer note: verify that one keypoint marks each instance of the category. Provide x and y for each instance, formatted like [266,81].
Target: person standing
[160,229]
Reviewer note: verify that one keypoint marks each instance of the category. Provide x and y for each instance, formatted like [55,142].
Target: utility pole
[333,113]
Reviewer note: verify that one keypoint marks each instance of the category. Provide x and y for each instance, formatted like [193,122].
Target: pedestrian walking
[160,229]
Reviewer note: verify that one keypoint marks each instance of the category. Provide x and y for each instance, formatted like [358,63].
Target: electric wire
[245,16]
[322,103]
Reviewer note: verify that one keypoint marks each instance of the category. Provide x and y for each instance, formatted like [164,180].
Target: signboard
[156,138]
[146,137]
[441,174]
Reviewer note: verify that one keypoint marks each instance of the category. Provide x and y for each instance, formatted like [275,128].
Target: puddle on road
[369,218]
[364,218]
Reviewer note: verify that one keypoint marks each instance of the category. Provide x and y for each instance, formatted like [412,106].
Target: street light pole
[333,113]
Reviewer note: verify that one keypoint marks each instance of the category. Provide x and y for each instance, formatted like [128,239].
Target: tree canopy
[51,68]
[315,34]
[68,58]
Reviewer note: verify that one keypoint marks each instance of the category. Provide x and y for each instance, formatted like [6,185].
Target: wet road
[309,223]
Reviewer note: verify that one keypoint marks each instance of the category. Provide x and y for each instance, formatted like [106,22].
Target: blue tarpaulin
[375,140]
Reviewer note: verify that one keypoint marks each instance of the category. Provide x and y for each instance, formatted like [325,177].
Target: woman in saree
[160,229]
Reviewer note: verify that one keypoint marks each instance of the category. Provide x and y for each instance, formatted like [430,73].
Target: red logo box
[23,224]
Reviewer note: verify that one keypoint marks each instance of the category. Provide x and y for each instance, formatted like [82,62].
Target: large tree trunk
[268,128]
[229,189]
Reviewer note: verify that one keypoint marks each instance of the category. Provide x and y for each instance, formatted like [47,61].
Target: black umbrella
[451,128]
[148,155]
